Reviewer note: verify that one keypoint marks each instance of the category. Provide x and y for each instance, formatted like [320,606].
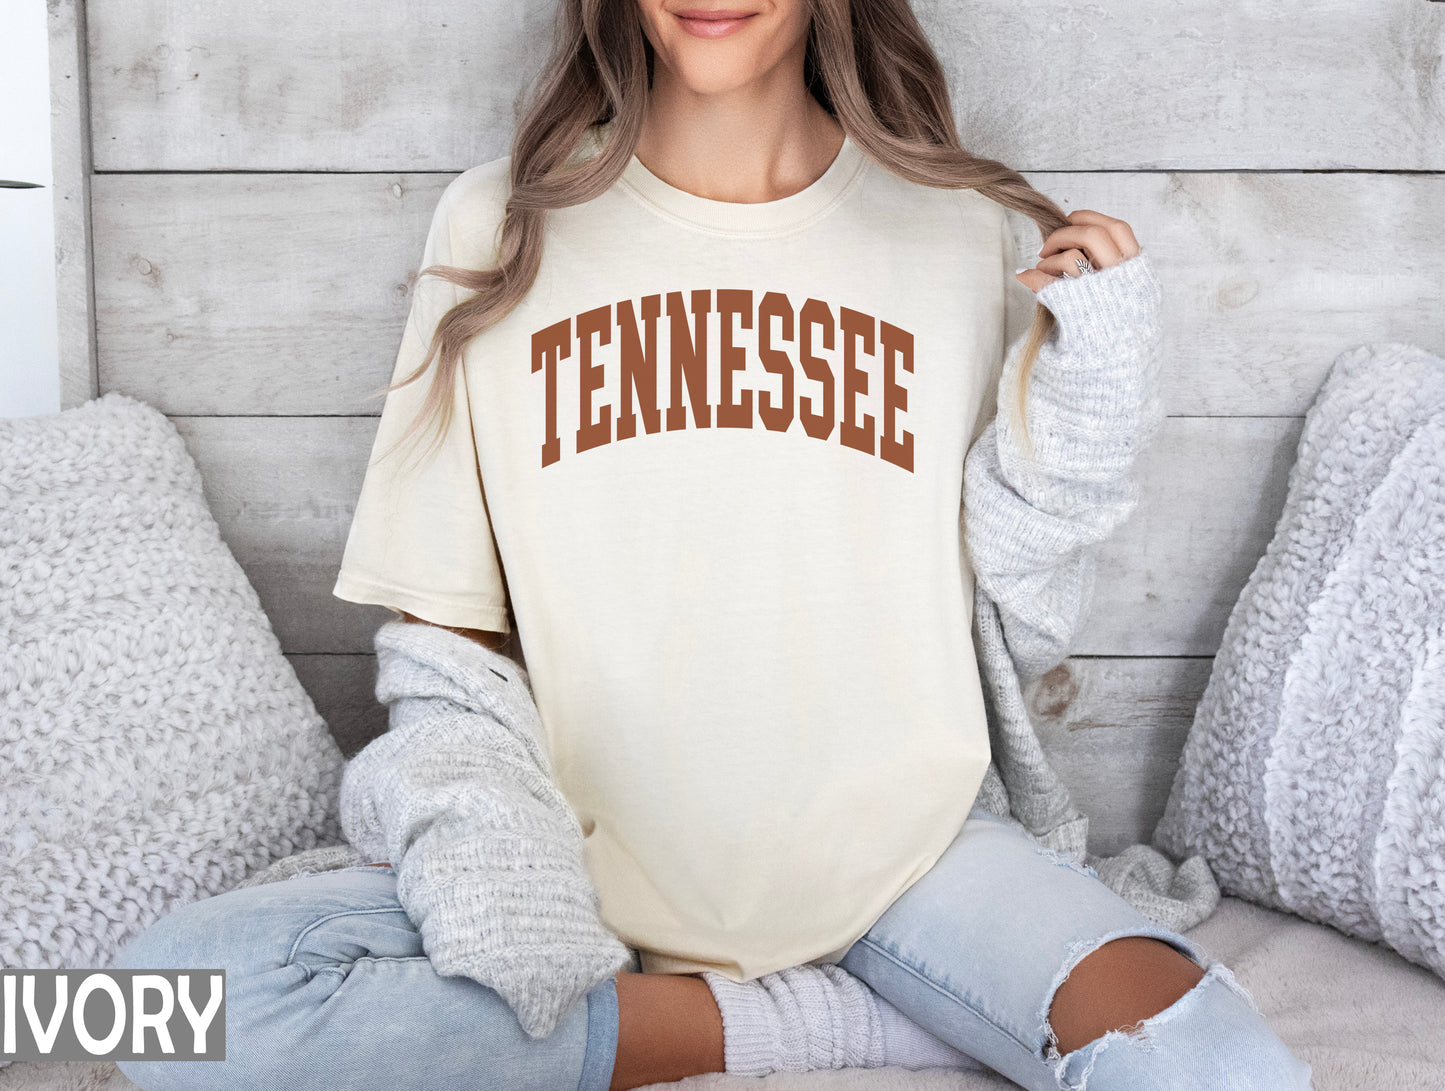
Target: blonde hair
[868,63]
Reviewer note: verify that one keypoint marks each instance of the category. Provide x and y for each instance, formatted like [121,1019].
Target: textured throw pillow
[1313,778]
[155,745]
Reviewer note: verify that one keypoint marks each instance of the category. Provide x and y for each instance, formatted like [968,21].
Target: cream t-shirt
[713,463]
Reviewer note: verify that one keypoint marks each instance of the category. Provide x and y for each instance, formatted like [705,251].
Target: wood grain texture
[1114,729]
[1068,85]
[331,85]
[1213,489]
[282,491]
[256,293]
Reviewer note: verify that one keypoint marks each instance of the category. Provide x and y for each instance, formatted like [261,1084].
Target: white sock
[797,1020]
[907,1045]
[819,1016]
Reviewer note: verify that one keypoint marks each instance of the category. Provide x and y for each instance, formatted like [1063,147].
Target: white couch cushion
[1313,778]
[156,746]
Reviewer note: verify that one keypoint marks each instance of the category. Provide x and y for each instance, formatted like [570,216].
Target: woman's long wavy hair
[868,63]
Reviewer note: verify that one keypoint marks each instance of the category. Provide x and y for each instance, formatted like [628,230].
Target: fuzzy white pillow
[1313,778]
[155,745]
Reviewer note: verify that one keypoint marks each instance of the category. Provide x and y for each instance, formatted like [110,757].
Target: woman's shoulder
[470,211]
[479,191]
[474,203]
[929,216]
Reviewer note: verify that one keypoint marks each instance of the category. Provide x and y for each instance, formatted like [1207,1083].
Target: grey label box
[90,1015]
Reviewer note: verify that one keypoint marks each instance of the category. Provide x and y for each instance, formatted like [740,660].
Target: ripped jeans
[974,951]
[327,985]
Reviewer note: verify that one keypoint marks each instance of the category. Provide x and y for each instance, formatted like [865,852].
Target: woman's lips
[702,23]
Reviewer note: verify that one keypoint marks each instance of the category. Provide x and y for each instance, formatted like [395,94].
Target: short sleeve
[421,538]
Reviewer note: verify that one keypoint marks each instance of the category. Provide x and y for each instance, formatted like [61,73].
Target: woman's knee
[1211,1033]
[190,936]
[254,929]
[272,944]
[1118,984]
[186,939]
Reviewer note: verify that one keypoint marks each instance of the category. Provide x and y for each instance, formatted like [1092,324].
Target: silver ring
[1085,266]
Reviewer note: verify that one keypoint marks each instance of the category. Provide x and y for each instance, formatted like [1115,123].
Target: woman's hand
[1102,240]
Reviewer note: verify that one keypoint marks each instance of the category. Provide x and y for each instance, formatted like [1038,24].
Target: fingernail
[1022,269]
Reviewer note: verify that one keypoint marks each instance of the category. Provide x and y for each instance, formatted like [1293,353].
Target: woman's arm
[458,794]
[487,638]
[1032,522]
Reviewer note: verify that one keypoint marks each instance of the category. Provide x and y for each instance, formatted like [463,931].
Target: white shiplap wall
[264,174]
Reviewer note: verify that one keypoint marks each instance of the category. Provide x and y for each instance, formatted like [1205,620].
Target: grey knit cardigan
[458,794]
[1031,525]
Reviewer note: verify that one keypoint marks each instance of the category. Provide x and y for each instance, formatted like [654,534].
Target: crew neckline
[788,213]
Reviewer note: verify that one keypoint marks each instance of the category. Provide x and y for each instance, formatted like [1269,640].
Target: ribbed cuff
[750,1026]
[799,1019]
[860,1034]
[1105,304]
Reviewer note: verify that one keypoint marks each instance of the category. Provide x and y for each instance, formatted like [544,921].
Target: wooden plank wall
[263,175]
[71,172]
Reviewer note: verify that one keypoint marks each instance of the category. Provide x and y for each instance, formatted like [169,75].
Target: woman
[732,315]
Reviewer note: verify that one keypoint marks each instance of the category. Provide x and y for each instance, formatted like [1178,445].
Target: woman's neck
[757,144]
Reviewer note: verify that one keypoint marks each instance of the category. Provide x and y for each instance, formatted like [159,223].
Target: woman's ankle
[669,1028]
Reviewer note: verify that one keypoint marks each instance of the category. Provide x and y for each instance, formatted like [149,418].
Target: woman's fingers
[1104,240]
[1063,264]
[1099,239]
[1066,264]
[1034,279]
[1093,241]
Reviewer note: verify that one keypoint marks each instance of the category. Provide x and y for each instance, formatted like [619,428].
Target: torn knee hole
[1139,1029]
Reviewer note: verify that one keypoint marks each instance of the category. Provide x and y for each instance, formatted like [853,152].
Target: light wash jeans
[974,950]
[327,986]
